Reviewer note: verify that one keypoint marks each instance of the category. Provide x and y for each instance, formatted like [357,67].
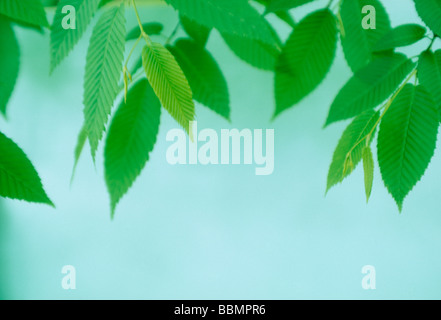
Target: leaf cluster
[396,96]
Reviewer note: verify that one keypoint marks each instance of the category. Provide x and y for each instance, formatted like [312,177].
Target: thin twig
[386,108]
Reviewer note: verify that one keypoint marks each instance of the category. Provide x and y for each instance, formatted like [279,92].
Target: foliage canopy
[396,96]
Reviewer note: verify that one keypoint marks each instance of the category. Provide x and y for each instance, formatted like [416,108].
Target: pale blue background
[215,232]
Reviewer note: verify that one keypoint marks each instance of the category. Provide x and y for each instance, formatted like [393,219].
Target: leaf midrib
[306,56]
[438,74]
[127,146]
[405,142]
[102,65]
[169,83]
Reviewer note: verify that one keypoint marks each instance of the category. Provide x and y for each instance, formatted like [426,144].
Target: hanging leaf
[196,31]
[430,12]
[368,166]
[401,36]
[64,40]
[253,52]
[429,74]
[350,147]
[9,63]
[407,140]
[103,70]
[204,76]
[284,5]
[234,17]
[358,42]
[18,178]
[169,83]
[370,86]
[132,136]
[306,59]
[27,11]
[151,28]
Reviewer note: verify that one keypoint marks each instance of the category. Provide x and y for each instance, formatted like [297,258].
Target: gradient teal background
[210,232]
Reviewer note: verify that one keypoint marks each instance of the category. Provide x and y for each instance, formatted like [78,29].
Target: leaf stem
[337,6]
[133,49]
[125,69]
[175,30]
[431,42]
[143,33]
[386,108]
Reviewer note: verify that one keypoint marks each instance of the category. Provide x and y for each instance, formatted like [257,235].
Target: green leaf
[18,178]
[349,150]
[368,166]
[358,42]
[103,70]
[82,138]
[401,36]
[407,140]
[305,59]
[283,5]
[429,74]
[204,76]
[64,40]
[169,83]
[370,86]
[253,52]
[430,12]
[195,30]
[132,136]
[27,11]
[9,63]
[151,28]
[234,17]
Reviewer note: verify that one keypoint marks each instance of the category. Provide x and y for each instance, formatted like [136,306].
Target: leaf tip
[49,202]
[328,187]
[112,210]
[327,123]
[274,116]
[72,177]
[3,112]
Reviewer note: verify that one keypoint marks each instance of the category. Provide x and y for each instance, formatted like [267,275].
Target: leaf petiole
[386,108]
[143,33]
